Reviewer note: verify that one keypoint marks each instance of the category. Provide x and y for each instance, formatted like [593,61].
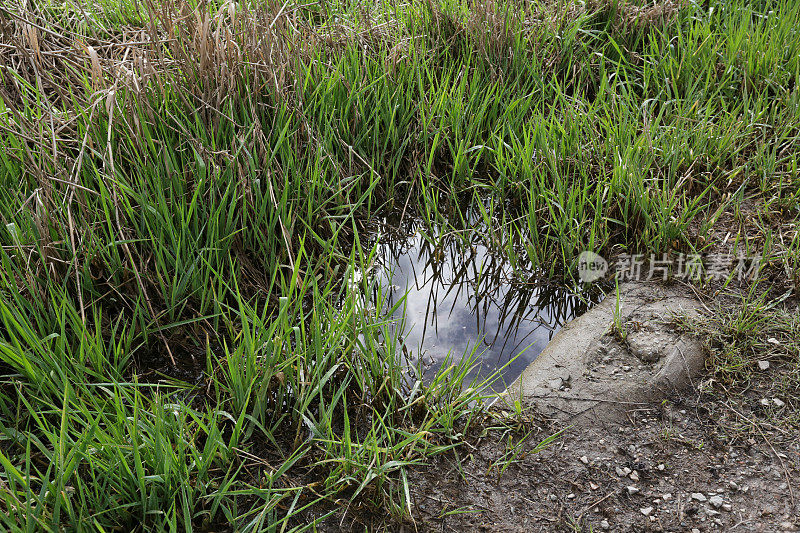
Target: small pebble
[699,496]
[763,365]
[605,525]
[727,507]
[778,402]
[646,510]
[634,476]
[716,501]
[632,490]
[571,496]
[585,460]
[661,467]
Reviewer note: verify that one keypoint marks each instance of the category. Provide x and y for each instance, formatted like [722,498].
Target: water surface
[459,297]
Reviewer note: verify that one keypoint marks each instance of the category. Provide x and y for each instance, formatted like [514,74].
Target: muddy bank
[646,445]
[656,448]
[622,353]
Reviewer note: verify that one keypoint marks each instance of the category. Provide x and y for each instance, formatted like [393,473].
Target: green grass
[182,180]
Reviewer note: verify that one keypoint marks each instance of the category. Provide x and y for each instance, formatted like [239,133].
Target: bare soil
[672,467]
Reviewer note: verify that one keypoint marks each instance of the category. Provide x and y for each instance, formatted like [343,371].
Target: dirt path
[668,468]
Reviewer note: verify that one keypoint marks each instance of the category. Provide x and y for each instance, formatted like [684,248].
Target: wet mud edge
[624,353]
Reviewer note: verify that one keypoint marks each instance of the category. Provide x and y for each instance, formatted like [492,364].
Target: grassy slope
[194,181]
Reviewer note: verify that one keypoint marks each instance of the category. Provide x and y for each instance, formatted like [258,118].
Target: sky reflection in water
[459,294]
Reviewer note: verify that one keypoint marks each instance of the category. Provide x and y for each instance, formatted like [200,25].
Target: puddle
[460,296]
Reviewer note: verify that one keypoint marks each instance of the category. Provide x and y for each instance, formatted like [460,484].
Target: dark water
[459,297]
